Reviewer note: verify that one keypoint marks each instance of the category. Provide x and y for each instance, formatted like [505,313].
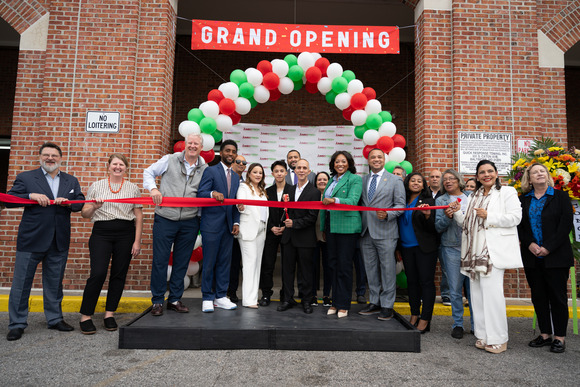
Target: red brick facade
[476,67]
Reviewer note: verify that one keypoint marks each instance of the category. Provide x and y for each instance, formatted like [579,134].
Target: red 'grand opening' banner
[238,36]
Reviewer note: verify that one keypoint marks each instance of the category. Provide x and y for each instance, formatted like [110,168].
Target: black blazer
[557,222]
[303,230]
[39,225]
[425,231]
[276,215]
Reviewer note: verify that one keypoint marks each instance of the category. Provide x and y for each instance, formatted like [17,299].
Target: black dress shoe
[292,302]
[307,307]
[233,297]
[178,307]
[370,309]
[87,327]
[14,334]
[284,307]
[361,300]
[457,333]
[540,342]
[264,301]
[61,326]
[110,324]
[558,346]
[157,310]
[386,314]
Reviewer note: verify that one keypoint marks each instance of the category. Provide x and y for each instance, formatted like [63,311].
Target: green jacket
[348,191]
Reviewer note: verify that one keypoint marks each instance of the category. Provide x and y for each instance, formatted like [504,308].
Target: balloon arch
[270,79]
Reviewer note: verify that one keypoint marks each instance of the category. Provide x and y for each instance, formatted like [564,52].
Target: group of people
[478,211]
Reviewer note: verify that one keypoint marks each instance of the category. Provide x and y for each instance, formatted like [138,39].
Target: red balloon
[358,101]
[313,74]
[275,95]
[385,143]
[271,81]
[215,95]
[265,67]
[322,63]
[370,93]
[399,141]
[227,106]
[367,149]
[312,88]
[347,113]
[196,255]
[179,146]
[236,118]
[207,155]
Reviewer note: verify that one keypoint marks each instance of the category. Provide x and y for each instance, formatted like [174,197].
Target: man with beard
[43,236]
[291,159]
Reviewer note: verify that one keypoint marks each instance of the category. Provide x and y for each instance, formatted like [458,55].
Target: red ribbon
[209,202]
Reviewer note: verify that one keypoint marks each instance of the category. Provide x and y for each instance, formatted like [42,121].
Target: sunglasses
[241,162]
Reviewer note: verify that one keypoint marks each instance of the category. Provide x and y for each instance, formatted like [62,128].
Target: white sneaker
[207,306]
[224,303]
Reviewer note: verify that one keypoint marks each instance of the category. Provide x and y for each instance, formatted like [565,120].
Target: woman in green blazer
[342,228]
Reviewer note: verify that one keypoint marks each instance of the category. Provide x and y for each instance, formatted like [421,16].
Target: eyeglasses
[449,179]
[243,162]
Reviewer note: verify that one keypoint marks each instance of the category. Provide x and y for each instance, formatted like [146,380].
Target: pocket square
[72,191]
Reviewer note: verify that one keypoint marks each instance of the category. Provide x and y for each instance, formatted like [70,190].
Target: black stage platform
[266,328]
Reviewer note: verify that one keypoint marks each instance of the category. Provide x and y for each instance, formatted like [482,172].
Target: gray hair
[198,135]
[455,174]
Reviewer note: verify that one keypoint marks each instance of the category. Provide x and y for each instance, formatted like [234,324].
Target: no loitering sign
[103,122]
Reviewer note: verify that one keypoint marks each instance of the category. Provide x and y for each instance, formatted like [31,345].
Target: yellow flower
[555,148]
[572,168]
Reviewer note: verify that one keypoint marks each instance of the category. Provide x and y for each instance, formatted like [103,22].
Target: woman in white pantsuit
[489,245]
[253,220]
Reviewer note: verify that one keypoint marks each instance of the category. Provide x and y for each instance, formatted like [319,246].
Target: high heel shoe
[331,310]
[427,328]
[342,313]
[416,321]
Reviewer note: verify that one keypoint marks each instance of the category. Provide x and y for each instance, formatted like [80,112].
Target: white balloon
[243,106]
[261,94]
[342,101]
[306,60]
[208,142]
[224,123]
[186,282]
[316,56]
[254,76]
[355,86]
[386,158]
[324,85]
[188,127]
[197,242]
[286,85]
[169,270]
[280,67]
[230,90]
[397,154]
[387,129]
[359,117]
[334,70]
[193,268]
[373,106]
[210,109]
[370,137]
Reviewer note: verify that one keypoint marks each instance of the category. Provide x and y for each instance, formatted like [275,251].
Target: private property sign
[102,122]
[238,36]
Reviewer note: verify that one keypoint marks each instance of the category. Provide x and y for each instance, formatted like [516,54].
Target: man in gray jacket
[174,226]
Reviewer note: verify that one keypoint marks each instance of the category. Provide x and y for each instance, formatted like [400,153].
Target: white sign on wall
[103,122]
[476,146]
[524,145]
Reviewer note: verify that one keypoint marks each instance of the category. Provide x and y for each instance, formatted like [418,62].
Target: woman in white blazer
[489,245]
[253,220]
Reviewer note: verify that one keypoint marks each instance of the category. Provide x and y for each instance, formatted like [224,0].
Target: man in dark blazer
[299,239]
[219,225]
[239,167]
[292,158]
[43,236]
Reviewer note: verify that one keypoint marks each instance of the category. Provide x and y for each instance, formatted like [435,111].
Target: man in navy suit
[219,224]
[43,236]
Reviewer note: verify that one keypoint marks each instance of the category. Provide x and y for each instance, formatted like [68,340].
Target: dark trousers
[293,257]
[269,262]
[359,269]
[217,257]
[321,254]
[550,297]
[111,241]
[235,267]
[420,271]
[341,249]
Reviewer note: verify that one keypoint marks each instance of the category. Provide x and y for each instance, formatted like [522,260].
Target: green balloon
[390,165]
[238,77]
[386,116]
[401,280]
[253,102]
[349,75]
[374,121]
[246,90]
[291,59]
[298,85]
[217,135]
[195,115]
[208,125]
[330,97]
[359,131]
[406,166]
[295,73]
[339,85]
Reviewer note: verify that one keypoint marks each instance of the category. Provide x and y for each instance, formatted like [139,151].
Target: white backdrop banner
[265,144]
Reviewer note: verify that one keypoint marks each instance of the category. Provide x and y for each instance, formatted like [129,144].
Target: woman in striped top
[116,237]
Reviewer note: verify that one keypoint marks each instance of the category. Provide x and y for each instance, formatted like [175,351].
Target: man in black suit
[299,240]
[239,167]
[43,236]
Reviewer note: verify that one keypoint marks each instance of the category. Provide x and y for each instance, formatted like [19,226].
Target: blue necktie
[373,187]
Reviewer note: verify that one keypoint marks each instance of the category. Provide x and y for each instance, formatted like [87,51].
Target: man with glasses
[43,236]
[239,166]
[174,226]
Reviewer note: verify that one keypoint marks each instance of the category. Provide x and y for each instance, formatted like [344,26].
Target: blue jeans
[452,258]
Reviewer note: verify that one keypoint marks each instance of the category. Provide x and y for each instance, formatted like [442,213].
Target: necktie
[229,178]
[295,178]
[373,187]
